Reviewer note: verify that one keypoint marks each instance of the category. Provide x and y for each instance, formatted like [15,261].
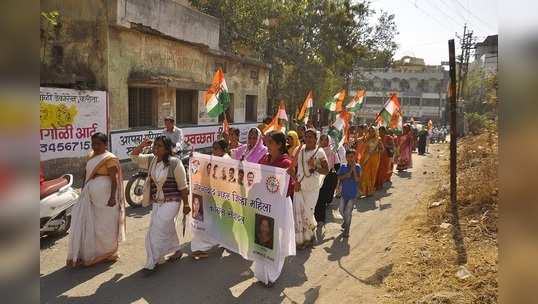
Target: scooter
[57,199]
[134,189]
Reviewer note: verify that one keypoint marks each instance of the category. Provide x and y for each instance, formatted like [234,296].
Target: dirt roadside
[440,260]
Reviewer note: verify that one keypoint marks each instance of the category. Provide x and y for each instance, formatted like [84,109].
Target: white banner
[68,118]
[242,206]
[122,143]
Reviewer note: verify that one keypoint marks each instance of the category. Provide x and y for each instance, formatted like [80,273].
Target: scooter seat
[51,186]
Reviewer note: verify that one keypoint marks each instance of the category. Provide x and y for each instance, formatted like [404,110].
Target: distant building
[421,89]
[487,53]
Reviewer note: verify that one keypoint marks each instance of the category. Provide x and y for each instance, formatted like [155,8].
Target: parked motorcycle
[57,199]
[135,186]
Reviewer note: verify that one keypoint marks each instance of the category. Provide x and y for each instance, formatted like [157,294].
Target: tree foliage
[310,44]
[480,91]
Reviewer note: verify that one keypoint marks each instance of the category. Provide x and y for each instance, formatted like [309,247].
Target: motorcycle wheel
[134,191]
[62,230]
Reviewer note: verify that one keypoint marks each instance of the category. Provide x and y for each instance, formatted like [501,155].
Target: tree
[310,44]
[480,91]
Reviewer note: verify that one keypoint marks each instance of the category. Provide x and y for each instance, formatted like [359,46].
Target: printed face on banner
[242,205]
[198,207]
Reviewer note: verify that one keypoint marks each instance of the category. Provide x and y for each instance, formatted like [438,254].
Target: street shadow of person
[186,281]
[384,206]
[293,274]
[311,295]
[382,193]
[338,249]
[366,204]
[56,283]
[138,212]
[47,241]
[379,276]
[404,174]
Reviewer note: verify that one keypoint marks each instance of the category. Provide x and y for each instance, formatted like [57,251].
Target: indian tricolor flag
[356,103]
[335,104]
[340,128]
[276,124]
[390,116]
[308,104]
[217,98]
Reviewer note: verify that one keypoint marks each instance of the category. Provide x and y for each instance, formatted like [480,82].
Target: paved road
[335,270]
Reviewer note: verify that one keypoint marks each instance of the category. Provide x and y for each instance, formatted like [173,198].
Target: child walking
[348,175]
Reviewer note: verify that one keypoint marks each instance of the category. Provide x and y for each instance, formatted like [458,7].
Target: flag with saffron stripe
[276,123]
[357,102]
[217,98]
[390,116]
[308,104]
[339,130]
[335,104]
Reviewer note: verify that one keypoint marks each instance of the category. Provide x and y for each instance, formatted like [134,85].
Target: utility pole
[452,118]
[467,44]
[456,231]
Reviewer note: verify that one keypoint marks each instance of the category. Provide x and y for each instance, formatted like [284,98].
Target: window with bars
[142,111]
[229,112]
[414,101]
[375,100]
[186,107]
[430,102]
[251,108]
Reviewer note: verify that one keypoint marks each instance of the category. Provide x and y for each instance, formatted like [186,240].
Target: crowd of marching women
[319,170]
[344,161]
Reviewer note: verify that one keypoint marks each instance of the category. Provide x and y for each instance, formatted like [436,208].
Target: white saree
[97,229]
[161,238]
[304,201]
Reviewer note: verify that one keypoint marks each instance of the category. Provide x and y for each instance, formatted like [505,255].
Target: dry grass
[427,256]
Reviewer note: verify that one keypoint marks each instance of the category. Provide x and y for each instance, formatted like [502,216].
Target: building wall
[74,52]
[147,60]
[99,45]
[418,87]
[172,18]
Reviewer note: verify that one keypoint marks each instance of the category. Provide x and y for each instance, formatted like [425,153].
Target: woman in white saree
[311,164]
[98,219]
[165,188]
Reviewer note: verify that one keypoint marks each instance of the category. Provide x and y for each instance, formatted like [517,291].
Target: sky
[425,26]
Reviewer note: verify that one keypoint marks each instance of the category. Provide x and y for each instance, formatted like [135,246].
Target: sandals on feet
[175,257]
[200,255]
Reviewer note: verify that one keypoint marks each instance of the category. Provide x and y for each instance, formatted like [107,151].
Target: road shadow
[366,204]
[457,235]
[185,281]
[383,192]
[311,295]
[293,274]
[404,174]
[339,249]
[56,283]
[384,206]
[138,212]
[47,241]
[379,275]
